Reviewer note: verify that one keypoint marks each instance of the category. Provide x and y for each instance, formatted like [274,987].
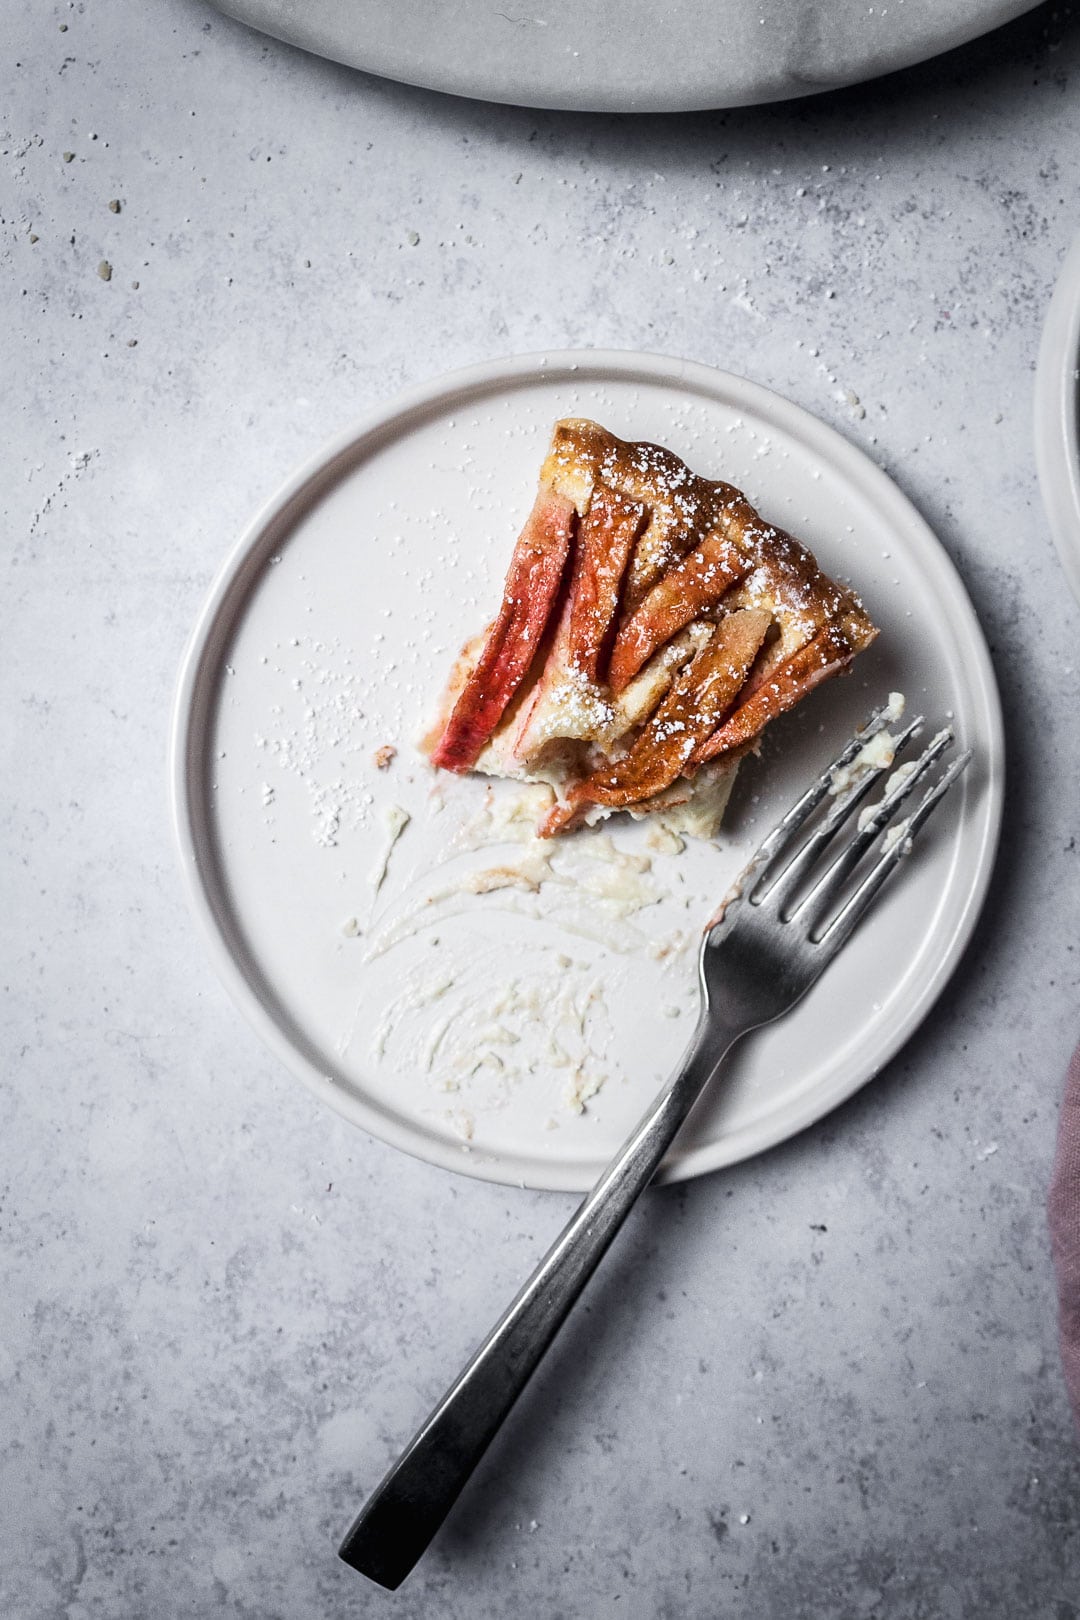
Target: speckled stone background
[825,1383]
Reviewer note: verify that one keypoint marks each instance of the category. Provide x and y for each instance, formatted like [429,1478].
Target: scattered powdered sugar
[318,731]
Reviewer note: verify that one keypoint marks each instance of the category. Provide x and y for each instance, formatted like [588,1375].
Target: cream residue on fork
[876,754]
[893,784]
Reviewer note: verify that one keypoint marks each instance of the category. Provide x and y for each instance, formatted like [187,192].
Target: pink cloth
[1064,1215]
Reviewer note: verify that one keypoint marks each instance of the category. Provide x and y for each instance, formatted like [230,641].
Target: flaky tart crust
[652,624]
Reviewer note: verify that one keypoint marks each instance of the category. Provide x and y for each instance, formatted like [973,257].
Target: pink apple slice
[532,586]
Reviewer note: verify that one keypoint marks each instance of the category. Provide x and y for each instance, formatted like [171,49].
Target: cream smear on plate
[487,1019]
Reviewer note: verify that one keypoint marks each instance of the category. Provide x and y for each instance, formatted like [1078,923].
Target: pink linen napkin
[1063,1210]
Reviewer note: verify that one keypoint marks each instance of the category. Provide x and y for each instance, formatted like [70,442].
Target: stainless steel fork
[775,933]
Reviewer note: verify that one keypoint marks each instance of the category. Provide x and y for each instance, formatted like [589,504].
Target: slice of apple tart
[652,624]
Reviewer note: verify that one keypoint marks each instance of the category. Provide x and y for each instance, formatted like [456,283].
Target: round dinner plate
[1057,416]
[357,903]
[633,56]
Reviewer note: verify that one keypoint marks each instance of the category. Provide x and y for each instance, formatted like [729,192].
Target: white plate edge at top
[1057,416]
[854,466]
[451,60]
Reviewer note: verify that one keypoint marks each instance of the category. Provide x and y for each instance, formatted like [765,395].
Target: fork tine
[826,890]
[791,877]
[852,913]
[803,807]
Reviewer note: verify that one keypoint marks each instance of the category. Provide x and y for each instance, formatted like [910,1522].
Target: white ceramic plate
[453,1023]
[633,56]
[1057,416]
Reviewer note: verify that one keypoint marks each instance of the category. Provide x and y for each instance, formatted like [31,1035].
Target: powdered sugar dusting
[318,731]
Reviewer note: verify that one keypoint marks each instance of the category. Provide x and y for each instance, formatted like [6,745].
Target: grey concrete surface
[822,1384]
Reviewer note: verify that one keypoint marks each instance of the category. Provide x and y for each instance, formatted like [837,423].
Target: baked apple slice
[697,583]
[701,695]
[532,585]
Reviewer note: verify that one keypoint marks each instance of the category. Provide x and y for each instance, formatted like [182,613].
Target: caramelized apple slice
[532,585]
[823,655]
[605,540]
[700,696]
[679,596]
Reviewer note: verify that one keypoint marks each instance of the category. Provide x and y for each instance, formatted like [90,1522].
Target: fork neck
[644,1150]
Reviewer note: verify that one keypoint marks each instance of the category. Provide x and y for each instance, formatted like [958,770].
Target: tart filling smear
[652,624]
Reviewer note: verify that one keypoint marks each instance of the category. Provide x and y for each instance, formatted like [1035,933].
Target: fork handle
[403,1513]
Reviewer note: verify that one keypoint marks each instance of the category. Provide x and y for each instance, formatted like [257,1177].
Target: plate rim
[535,87]
[855,465]
[1057,416]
